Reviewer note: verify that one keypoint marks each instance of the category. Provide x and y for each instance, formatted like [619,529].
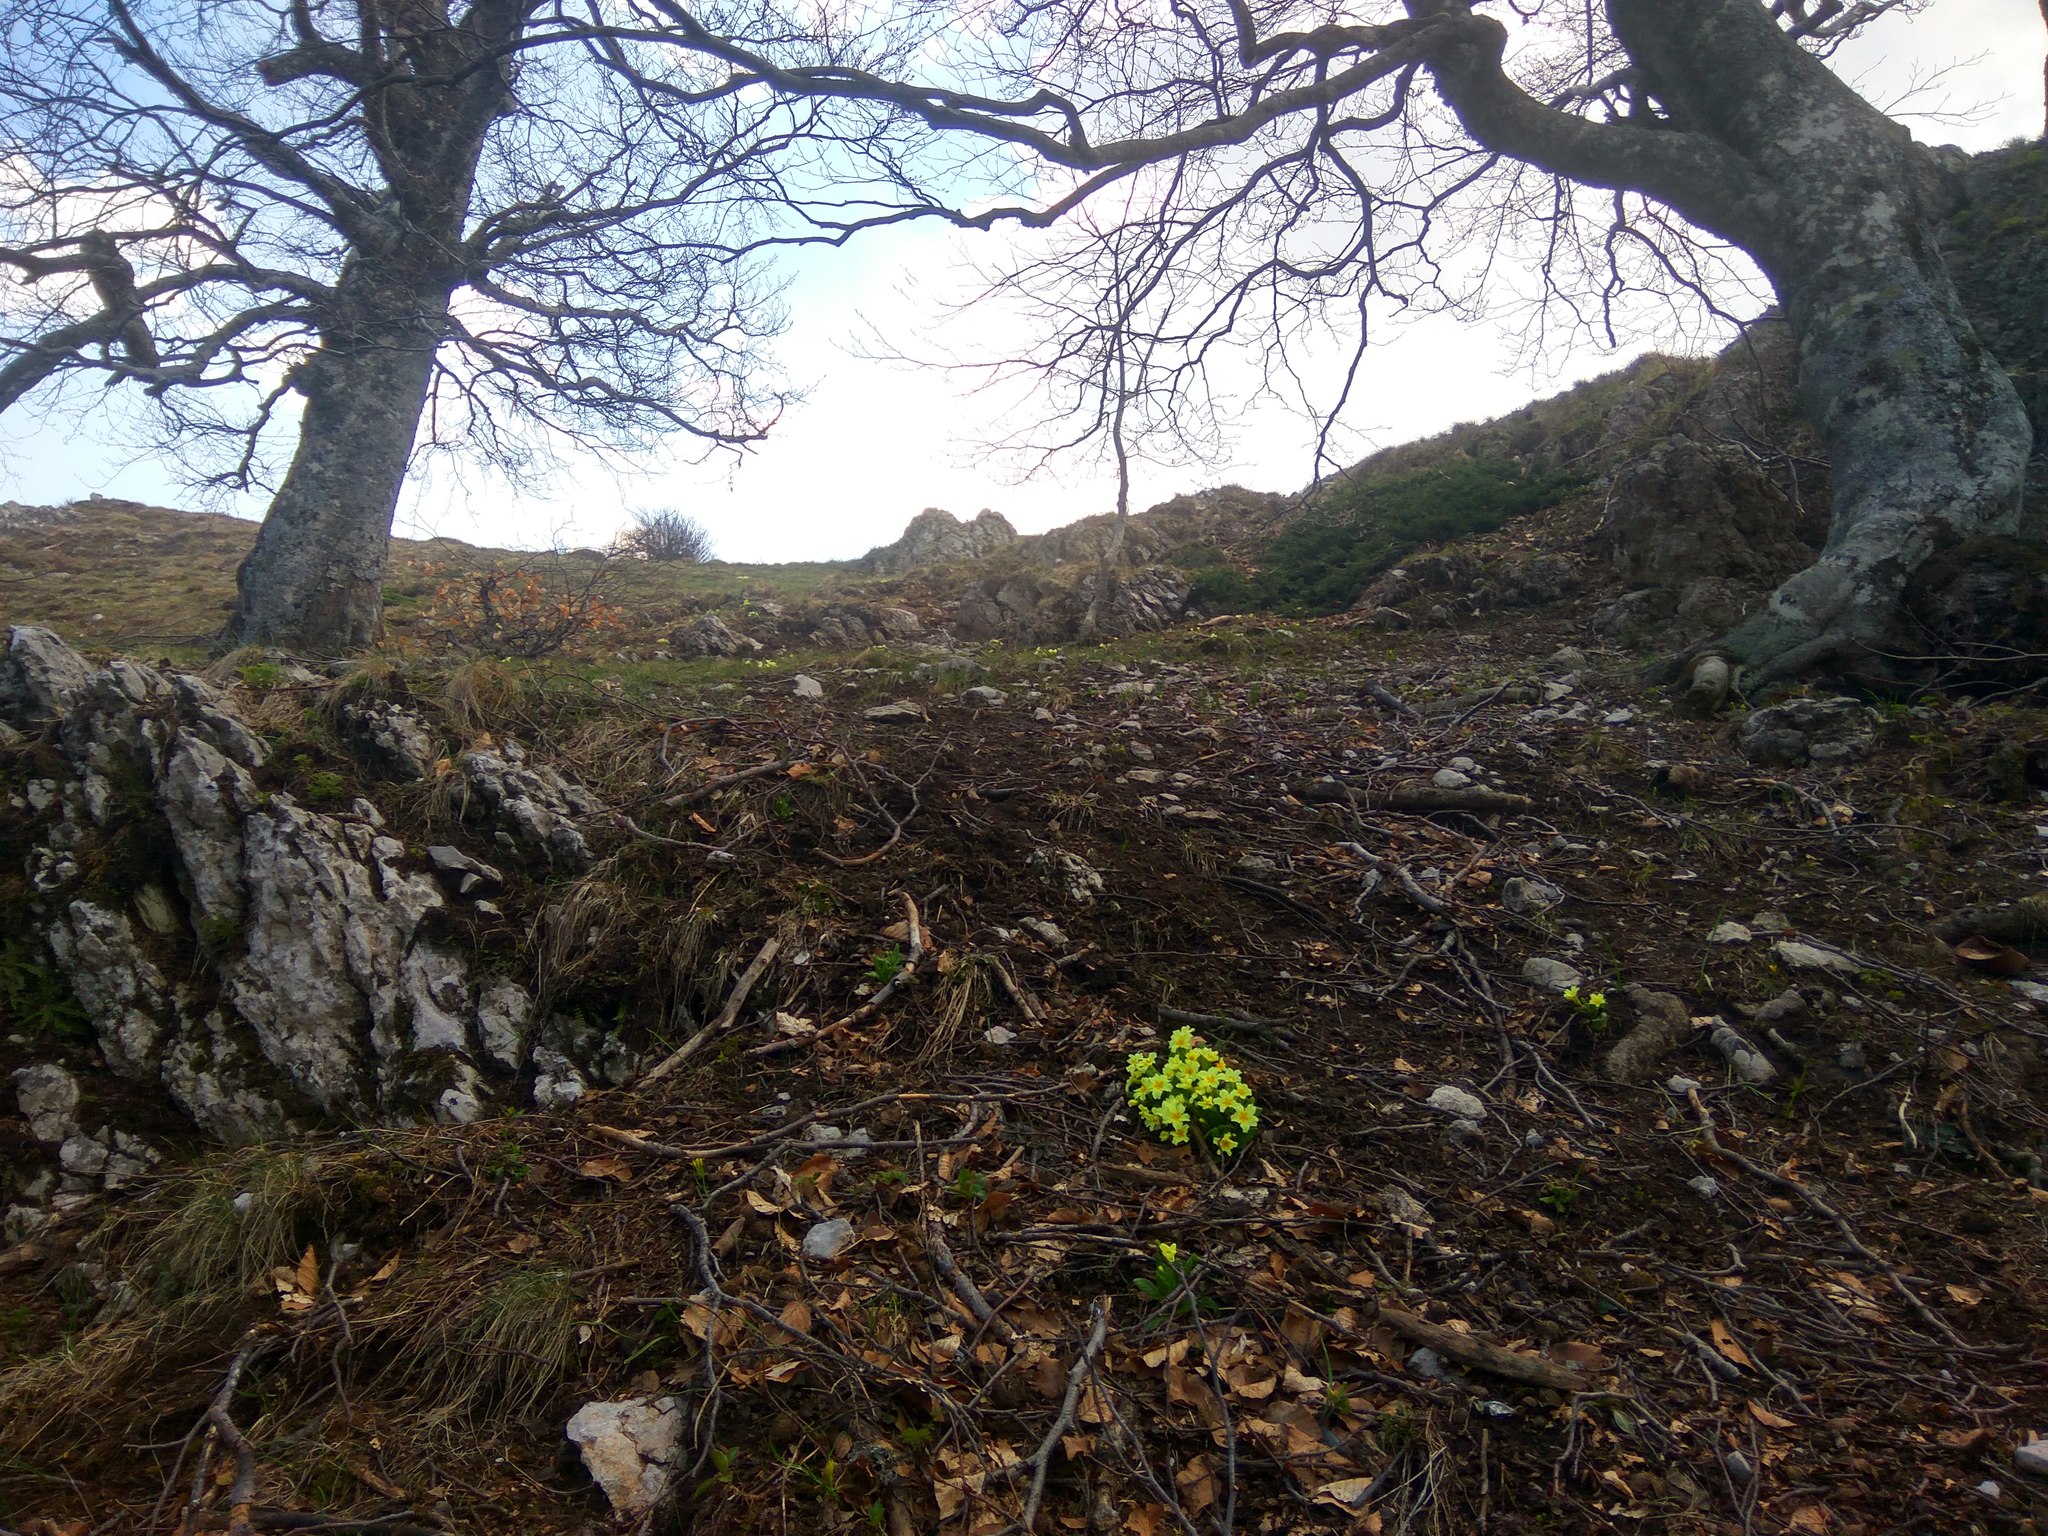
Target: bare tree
[384,225]
[667,537]
[1291,163]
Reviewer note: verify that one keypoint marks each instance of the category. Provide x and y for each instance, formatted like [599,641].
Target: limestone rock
[902,712]
[535,809]
[937,537]
[1530,898]
[808,687]
[462,874]
[39,676]
[710,635]
[323,989]
[48,1097]
[123,993]
[1457,1102]
[1802,731]
[1550,975]
[828,1240]
[1078,880]
[629,1449]
[1796,956]
[1661,1023]
[393,740]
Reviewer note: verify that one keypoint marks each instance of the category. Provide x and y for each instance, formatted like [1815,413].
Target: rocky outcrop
[304,968]
[390,739]
[1801,731]
[1027,609]
[710,636]
[529,807]
[1698,534]
[856,628]
[937,537]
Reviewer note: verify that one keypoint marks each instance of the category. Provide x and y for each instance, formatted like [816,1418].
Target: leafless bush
[666,536]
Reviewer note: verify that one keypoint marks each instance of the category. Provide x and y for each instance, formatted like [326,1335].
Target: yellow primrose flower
[1169,1253]
[1156,1084]
[1245,1116]
[1226,1142]
[1598,1000]
[1182,1039]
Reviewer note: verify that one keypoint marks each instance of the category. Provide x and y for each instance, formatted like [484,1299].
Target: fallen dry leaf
[1725,1341]
[605,1168]
[1768,1419]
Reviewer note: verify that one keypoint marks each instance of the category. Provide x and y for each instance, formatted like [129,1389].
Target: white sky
[876,442]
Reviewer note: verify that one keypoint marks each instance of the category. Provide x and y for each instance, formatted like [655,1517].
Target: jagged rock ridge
[332,985]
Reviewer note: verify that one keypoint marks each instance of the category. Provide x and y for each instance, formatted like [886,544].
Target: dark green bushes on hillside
[1360,528]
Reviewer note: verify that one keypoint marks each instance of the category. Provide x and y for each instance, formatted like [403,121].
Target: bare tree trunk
[1928,438]
[1765,146]
[314,583]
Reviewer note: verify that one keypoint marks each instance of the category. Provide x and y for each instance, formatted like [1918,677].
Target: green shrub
[1360,528]
[35,998]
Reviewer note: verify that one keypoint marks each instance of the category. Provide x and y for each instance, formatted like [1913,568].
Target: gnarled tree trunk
[1928,438]
[315,580]
[1764,145]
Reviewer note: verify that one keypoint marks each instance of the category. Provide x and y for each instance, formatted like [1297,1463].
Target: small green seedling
[1172,1283]
[885,966]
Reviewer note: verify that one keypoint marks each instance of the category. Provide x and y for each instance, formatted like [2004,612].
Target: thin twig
[726,1015]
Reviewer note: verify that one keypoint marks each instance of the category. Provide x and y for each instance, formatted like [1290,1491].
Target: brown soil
[1846,1338]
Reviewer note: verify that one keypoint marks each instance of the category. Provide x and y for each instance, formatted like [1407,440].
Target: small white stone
[1810,957]
[1457,1102]
[808,687]
[828,1240]
[1451,778]
[1550,975]
[1705,1186]
[1729,933]
[2032,1457]
[628,1447]
[999,1035]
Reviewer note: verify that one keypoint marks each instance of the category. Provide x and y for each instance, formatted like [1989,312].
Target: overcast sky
[874,442]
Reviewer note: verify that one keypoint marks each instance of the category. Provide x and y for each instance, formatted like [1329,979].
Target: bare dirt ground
[1813,1304]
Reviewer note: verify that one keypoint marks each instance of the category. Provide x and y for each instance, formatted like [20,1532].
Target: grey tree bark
[1769,148]
[315,579]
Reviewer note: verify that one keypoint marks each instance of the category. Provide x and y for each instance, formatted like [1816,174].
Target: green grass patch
[1362,528]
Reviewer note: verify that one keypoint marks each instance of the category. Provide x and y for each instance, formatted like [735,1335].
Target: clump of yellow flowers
[1194,1093]
[1591,1009]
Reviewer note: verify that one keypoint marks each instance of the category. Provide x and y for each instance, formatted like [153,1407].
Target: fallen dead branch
[710,787]
[905,974]
[1415,795]
[1039,1462]
[726,1015]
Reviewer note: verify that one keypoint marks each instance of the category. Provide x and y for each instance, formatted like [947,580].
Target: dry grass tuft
[233,1220]
[569,936]
[482,696]
[963,995]
[502,1350]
